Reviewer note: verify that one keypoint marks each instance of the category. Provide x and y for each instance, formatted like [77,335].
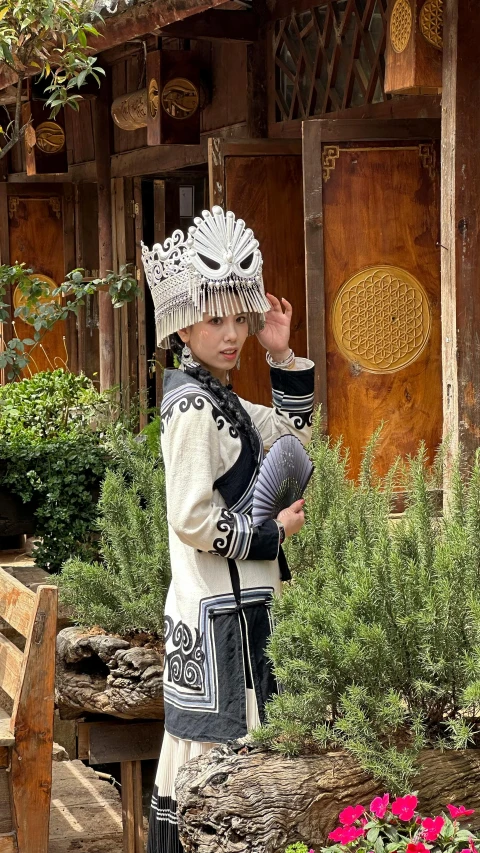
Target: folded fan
[282,479]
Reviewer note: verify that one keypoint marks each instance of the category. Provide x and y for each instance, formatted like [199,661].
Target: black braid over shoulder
[227,399]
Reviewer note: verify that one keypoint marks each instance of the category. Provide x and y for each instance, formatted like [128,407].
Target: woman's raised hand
[276,334]
[293,517]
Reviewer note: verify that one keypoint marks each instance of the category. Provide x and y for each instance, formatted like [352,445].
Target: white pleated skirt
[175,752]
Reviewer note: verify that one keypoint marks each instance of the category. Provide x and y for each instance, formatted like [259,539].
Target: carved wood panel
[329,57]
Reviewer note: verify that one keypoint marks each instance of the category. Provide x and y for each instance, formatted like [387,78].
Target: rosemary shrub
[377,639]
[126,589]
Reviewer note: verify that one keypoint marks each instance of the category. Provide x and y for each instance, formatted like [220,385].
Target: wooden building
[345,133]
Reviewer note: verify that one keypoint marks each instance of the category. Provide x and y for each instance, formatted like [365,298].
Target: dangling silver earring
[238,364]
[186,359]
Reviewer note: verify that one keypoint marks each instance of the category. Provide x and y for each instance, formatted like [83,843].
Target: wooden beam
[145,18]
[460,224]
[106,323]
[215,25]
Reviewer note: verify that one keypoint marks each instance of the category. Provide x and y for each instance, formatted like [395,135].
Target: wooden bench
[26,735]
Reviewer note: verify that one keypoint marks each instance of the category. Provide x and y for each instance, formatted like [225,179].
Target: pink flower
[419,847]
[350,814]
[346,834]
[405,807]
[337,834]
[363,821]
[379,805]
[351,834]
[471,845]
[459,811]
[432,827]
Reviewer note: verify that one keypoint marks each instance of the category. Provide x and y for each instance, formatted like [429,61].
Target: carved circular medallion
[381,318]
[180,98]
[431,22]
[19,300]
[401,25]
[153,97]
[50,137]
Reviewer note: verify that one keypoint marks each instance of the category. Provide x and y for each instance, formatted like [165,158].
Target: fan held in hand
[282,479]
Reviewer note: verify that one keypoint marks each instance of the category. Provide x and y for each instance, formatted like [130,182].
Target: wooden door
[36,237]
[261,181]
[372,194]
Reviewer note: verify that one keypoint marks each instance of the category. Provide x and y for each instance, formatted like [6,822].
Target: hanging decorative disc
[381,318]
[50,137]
[180,98]
[400,25]
[431,22]
[153,97]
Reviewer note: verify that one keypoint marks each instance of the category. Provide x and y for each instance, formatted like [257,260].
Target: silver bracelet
[286,363]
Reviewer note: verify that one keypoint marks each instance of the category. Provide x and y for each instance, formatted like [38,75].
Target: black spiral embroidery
[225,524]
[185,664]
[221,420]
[167,628]
[301,419]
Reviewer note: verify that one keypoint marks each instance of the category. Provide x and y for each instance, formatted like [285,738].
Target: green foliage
[127,589]
[51,36]
[298,847]
[42,306]
[377,639]
[50,455]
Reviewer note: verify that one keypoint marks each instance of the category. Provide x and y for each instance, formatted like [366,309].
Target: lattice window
[329,58]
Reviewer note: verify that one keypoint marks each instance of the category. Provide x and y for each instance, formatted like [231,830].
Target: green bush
[51,456]
[127,590]
[377,639]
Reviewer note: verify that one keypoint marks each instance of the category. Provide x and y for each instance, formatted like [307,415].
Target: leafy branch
[49,37]
[41,306]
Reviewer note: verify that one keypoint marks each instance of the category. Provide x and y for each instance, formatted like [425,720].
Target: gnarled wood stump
[261,802]
[101,674]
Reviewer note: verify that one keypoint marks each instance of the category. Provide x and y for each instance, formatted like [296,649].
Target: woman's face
[216,342]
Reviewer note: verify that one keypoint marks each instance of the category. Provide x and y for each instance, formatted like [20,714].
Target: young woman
[208,295]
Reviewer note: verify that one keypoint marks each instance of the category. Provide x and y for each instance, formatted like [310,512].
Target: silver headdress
[216,268]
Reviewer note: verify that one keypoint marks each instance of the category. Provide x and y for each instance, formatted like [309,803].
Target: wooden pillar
[159,235]
[6,328]
[141,314]
[461,224]
[71,343]
[106,326]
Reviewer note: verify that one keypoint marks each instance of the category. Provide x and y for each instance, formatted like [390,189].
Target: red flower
[337,834]
[419,847]
[432,827]
[379,805]
[346,834]
[350,814]
[405,807]
[459,811]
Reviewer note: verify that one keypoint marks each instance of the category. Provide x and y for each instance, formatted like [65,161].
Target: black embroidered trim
[301,419]
[198,402]
[185,665]
[225,524]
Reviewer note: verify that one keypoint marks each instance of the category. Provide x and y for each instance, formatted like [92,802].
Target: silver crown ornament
[216,268]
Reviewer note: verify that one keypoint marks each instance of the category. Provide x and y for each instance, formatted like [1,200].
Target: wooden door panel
[36,238]
[262,184]
[382,335]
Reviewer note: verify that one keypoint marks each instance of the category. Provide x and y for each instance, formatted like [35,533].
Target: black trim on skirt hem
[163,826]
